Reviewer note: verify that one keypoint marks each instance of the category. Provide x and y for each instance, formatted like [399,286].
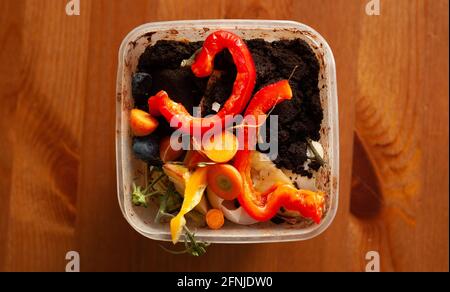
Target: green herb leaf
[138,197]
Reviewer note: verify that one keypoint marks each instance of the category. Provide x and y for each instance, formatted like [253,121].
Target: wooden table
[57,161]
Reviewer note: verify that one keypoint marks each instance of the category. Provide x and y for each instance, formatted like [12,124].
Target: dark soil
[299,118]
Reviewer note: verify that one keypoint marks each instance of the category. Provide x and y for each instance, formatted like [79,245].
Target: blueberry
[147,149]
[141,85]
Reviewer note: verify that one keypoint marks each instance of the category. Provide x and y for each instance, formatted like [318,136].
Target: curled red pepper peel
[161,104]
[264,206]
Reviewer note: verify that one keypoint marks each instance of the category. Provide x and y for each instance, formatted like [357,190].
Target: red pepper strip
[244,84]
[264,206]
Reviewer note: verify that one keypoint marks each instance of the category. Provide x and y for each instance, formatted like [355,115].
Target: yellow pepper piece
[221,148]
[193,194]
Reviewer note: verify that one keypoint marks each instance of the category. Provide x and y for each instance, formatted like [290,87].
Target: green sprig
[192,246]
[140,196]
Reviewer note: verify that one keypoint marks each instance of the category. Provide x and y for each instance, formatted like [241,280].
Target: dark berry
[147,149]
[141,85]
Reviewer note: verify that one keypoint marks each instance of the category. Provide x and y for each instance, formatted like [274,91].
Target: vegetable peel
[193,194]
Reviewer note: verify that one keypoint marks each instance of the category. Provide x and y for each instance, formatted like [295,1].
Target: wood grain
[401,123]
[57,161]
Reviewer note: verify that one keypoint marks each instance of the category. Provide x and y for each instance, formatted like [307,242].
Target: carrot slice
[221,148]
[225,181]
[215,219]
[142,123]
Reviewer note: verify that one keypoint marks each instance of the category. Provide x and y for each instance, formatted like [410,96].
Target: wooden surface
[57,161]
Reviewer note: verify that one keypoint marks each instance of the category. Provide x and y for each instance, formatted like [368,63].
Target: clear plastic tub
[131,170]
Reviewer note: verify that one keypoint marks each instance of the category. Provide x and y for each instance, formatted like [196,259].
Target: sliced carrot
[167,153]
[215,219]
[221,148]
[225,181]
[142,123]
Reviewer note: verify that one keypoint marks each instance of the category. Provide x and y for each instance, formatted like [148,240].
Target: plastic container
[130,169]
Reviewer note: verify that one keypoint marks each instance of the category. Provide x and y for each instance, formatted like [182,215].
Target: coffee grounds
[299,118]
